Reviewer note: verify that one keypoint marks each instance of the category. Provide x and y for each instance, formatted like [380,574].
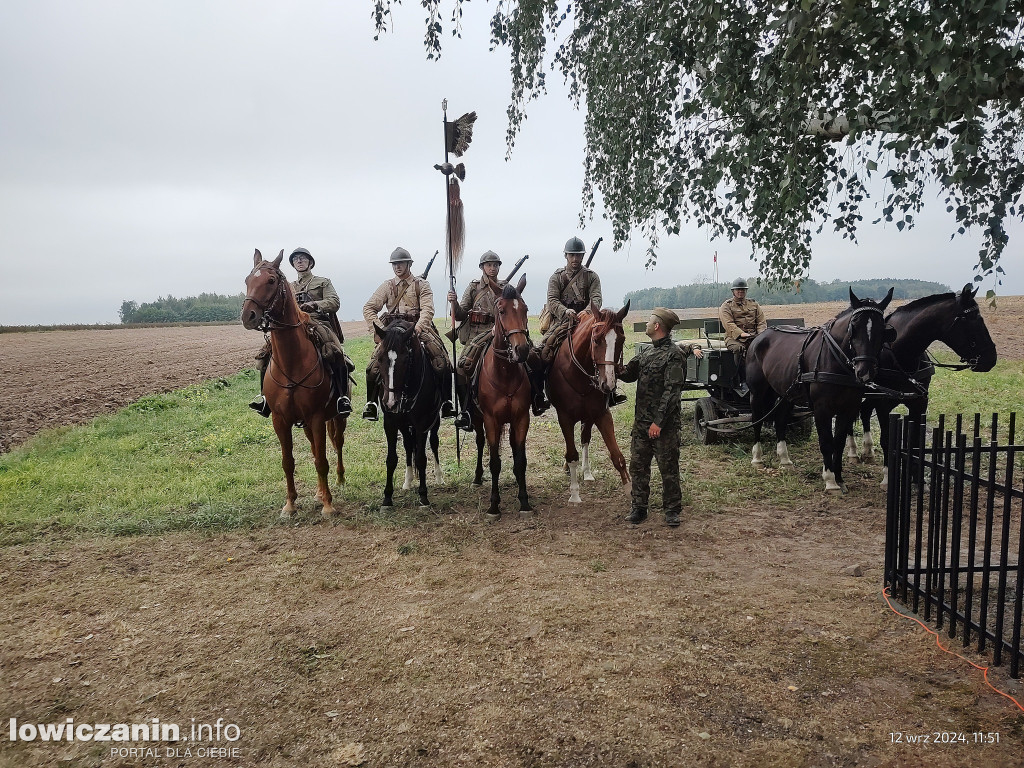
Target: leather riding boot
[672,519]
[343,404]
[370,411]
[260,404]
[536,376]
[637,516]
[616,398]
[463,421]
[447,407]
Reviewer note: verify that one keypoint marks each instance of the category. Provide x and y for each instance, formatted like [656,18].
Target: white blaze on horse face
[515,304]
[257,273]
[608,371]
[392,357]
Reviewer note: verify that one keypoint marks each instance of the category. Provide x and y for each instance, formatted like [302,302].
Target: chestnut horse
[581,378]
[503,390]
[298,384]
[826,368]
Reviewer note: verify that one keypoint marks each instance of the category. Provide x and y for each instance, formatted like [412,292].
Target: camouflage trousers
[665,449]
[473,351]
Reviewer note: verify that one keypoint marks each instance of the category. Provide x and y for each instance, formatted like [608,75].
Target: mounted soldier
[571,290]
[742,319]
[317,297]
[406,297]
[475,315]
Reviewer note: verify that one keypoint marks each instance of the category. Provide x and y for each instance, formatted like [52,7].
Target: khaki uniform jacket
[319,291]
[659,373]
[417,298]
[741,317]
[480,299]
[580,290]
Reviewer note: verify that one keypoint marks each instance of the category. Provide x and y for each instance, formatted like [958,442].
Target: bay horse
[298,383]
[904,367]
[581,378]
[411,398]
[825,368]
[503,391]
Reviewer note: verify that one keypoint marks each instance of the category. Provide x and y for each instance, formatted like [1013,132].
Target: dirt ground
[746,637]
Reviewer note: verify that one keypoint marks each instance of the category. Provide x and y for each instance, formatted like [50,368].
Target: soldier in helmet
[406,297]
[742,320]
[475,314]
[571,290]
[658,372]
[317,297]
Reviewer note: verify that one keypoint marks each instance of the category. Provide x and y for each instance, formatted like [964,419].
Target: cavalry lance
[457,136]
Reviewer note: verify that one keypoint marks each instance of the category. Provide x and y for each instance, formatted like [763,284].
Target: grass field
[198,458]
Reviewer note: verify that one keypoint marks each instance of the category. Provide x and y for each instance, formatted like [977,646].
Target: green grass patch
[199,459]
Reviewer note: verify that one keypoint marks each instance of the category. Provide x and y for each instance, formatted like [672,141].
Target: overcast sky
[147,148]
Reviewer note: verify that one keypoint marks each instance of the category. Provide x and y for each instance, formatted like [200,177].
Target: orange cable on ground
[885,594]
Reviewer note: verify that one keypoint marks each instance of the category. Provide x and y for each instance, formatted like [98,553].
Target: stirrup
[539,406]
[448,410]
[463,421]
[616,398]
[370,411]
[260,406]
[344,406]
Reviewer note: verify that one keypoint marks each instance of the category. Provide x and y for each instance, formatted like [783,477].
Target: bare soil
[746,637]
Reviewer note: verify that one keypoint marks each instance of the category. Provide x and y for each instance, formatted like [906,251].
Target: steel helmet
[302,252]
[575,245]
[488,257]
[400,254]
[739,282]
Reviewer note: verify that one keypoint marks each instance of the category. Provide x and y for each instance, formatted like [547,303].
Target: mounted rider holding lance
[406,297]
[317,297]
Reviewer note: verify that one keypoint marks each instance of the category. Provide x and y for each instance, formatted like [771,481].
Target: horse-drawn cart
[723,407]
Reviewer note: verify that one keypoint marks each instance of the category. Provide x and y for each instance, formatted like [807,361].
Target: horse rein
[506,353]
[594,378]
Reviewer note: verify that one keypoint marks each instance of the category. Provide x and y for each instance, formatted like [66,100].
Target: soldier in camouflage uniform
[406,297]
[475,315]
[742,320]
[571,290]
[658,372]
[316,296]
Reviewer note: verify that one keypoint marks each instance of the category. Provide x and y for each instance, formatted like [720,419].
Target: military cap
[739,282]
[489,256]
[666,317]
[575,245]
[302,252]
[400,254]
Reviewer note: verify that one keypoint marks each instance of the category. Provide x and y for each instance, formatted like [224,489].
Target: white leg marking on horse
[885,479]
[851,448]
[868,446]
[588,473]
[408,478]
[574,482]
[830,480]
[392,357]
[438,473]
[758,456]
[783,451]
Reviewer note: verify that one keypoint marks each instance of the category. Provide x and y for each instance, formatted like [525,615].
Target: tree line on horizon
[711,294]
[204,308]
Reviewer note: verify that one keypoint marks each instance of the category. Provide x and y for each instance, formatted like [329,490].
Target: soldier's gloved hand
[571,314]
[308,306]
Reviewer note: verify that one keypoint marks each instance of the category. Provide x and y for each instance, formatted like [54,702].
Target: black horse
[904,367]
[411,398]
[824,368]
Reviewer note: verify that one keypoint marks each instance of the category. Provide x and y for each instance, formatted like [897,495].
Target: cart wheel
[703,412]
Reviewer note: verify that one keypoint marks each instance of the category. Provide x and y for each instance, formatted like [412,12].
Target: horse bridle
[268,322]
[506,334]
[972,362]
[594,377]
[406,404]
[848,339]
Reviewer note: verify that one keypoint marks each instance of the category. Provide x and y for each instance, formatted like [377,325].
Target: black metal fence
[954,540]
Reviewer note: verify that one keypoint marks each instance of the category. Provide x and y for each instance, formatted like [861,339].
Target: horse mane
[394,333]
[924,301]
[509,292]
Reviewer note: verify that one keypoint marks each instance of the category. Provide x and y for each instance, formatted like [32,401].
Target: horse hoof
[786,464]
[478,483]
[387,509]
[575,499]
[492,517]
[589,476]
[327,513]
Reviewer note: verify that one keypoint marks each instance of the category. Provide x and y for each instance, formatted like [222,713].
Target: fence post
[893,523]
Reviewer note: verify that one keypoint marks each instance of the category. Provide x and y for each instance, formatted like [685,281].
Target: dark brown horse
[952,318]
[503,391]
[825,368]
[298,383]
[582,376]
